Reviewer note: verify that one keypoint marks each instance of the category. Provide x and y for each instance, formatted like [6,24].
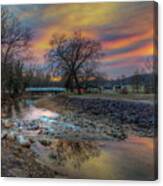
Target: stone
[11,135]
[53,156]
[3,134]
[33,126]
[49,130]
[23,141]
[38,149]
[7,123]
[45,142]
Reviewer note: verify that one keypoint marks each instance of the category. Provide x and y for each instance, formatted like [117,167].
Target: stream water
[133,158]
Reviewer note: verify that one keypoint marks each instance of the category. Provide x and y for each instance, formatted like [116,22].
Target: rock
[3,134]
[49,130]
[33,126]
[18,124]
[7,123]
[121,111]
[23,141]
[17,172]
[45,142]
[38,149]
[11,135]
[31,139]
[53,156]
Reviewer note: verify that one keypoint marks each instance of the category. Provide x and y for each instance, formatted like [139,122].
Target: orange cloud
[142,51]
[107,45]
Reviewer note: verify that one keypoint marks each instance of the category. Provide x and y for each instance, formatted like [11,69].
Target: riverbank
[20,162]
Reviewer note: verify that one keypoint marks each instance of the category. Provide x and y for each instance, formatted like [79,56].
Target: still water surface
[133,158]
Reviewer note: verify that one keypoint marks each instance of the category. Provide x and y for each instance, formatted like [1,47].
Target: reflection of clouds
[74,153]
[148,143]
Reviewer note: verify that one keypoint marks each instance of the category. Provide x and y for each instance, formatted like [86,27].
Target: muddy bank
[20,162]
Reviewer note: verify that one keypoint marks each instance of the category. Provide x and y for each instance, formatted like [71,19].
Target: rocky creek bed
[74,119]
[127,117]
[143,114]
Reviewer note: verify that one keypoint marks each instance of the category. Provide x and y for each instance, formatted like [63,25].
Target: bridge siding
[45,89]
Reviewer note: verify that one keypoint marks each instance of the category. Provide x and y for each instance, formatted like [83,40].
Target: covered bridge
[45,90]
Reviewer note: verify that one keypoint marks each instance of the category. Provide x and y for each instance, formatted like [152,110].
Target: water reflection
[12,109]
[36,113]
[130,159]
[25,110]
[74,153]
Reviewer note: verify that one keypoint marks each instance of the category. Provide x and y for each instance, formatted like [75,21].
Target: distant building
[107,88]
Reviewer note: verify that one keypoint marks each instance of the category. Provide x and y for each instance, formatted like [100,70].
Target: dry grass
[118,96]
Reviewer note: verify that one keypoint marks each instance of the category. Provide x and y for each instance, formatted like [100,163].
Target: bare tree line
[16,71]
[14,51]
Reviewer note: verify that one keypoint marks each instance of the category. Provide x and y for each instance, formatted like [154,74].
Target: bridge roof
[45,89]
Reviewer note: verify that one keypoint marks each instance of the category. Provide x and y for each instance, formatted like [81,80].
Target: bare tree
[14,44]
[150,68]
[88,73]
[70,56]
[15,38]
[136,81]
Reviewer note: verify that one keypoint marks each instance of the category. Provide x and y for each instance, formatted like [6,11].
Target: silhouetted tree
[136,82]
[70,56]
[150,67]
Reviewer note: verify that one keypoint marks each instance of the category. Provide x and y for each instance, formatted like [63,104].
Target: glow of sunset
[125,30]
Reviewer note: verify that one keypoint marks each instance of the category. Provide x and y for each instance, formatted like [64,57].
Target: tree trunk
[69,83]
[77,83]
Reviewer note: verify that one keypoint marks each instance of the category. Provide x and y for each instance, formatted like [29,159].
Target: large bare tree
[73,57]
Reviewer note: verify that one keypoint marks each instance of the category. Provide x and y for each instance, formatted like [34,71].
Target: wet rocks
[11,135]
[3,134]
[94,119]
[122,111]
[34,125]
[23,141]
[38,149]
[6,123]
[45,142]
[48,130]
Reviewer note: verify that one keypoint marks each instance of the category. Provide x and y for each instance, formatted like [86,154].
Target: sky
[125,30]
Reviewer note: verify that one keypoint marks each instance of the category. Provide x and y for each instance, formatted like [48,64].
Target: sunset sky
[124,29]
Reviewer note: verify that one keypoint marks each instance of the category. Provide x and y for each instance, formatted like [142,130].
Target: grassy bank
[118,96]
